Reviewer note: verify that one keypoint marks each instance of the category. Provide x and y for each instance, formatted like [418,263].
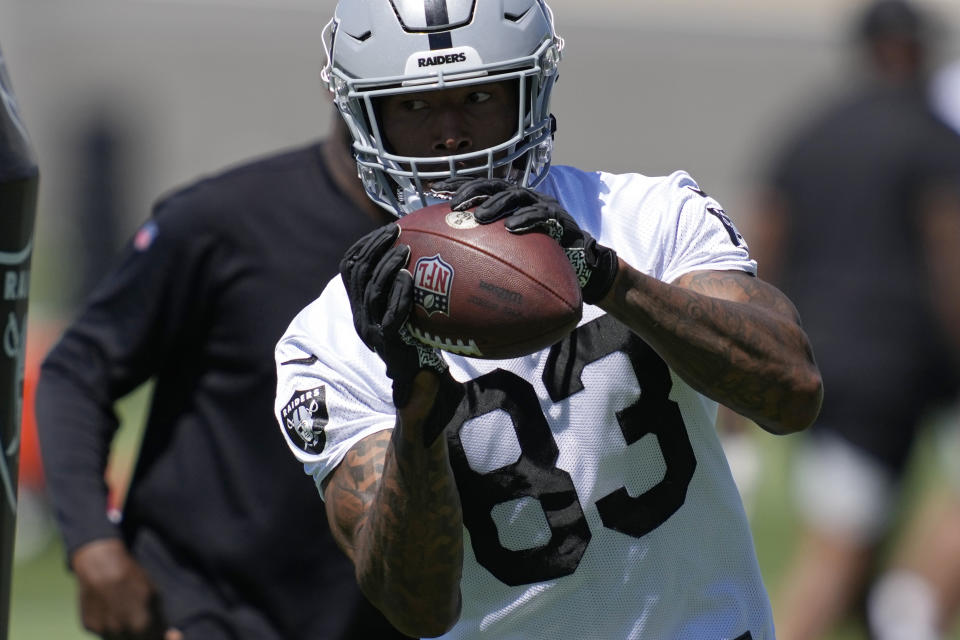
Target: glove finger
[368,306]
[532,218]
[361,258]
[545,217]
[471,193]
[372,243]
[451,185]
[503,204]
[377,293]
[399,304]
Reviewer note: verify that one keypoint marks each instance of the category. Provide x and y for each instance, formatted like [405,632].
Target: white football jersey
[597,501]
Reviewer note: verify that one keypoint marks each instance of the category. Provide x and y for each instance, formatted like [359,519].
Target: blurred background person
[850,225]
[918,597]
[204,549]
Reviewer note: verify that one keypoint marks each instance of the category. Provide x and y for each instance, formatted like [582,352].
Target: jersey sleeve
[662,226]
[332,391]
[698,234]
[155,294]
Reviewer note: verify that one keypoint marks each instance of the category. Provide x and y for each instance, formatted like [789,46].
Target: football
[483,292]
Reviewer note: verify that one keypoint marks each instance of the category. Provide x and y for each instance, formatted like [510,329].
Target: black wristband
[604,265]
[449,397]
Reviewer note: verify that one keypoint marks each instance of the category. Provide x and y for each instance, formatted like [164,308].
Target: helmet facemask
[401,183]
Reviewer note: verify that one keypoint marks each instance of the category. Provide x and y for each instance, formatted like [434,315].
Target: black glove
[381,298]
[527,210]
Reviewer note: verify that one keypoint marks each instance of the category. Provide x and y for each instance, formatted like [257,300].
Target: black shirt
[202,294]
[853,180]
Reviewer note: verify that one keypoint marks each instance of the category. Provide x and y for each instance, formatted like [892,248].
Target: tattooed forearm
[730,336]
[351,489]
[396,512]
[415,535]
[740,287]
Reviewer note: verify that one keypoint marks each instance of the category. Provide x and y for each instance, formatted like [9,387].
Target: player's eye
[478,97]
[415,105]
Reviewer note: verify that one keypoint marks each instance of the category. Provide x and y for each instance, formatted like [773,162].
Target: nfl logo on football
[432,281]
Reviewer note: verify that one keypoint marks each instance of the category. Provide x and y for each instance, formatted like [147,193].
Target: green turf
[774,521]
[43,601]
[43,604]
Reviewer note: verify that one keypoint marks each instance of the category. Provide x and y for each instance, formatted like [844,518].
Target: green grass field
[43,602]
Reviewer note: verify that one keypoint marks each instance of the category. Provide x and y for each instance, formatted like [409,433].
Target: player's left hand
[380,290]
[528,210]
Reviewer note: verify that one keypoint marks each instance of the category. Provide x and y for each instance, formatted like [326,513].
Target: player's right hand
[528,210]
[380,290]
[117,599]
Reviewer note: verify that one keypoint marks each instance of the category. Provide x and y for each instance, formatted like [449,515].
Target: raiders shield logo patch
[304,418]
[432,282]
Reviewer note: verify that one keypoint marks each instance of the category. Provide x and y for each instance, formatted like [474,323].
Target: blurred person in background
[852,227]
[218,537]
[918,597]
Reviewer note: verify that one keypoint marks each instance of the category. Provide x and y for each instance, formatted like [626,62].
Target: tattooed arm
[731,336]
[394,509]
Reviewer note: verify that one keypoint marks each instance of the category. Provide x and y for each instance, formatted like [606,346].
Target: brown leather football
[483,292]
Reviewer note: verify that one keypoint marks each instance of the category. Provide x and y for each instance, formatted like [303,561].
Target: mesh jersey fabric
[597,500]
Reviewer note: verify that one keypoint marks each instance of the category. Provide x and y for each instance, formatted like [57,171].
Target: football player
[576,492]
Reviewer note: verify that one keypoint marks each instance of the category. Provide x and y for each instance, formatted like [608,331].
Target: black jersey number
[535,474]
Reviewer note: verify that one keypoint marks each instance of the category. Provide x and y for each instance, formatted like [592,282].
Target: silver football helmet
[377,48]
